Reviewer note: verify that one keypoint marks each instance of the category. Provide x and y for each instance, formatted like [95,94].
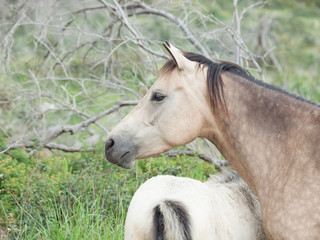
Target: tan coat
[270,137]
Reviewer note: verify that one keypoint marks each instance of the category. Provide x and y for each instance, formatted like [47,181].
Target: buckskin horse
[270,137]
[179,208]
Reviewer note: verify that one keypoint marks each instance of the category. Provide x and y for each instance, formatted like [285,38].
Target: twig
[86,123]
[175,153]
[55,146]
[72,129]
[136,37]
[10,147]
[53,54]
[73,109]
[240,44]
[146,9]
[237,30]
[244,11]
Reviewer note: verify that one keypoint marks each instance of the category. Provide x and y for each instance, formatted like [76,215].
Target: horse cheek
[178,133]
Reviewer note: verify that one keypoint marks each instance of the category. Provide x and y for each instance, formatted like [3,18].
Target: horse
[269,136]
[179,208]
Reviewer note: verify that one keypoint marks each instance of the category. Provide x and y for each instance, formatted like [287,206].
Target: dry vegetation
[66,65]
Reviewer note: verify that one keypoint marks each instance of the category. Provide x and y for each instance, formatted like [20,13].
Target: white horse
[178,208]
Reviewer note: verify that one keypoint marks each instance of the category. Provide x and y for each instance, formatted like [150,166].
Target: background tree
[71,67]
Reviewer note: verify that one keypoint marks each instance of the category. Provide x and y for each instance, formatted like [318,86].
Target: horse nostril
[109,144]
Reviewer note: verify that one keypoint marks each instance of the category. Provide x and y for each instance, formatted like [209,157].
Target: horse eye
[157,97]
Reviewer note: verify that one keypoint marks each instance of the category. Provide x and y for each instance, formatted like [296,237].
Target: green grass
[77,196]
[82,219]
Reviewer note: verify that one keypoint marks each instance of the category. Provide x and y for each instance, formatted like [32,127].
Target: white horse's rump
[176,208]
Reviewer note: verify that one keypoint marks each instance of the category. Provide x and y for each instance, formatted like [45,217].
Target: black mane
[214,81]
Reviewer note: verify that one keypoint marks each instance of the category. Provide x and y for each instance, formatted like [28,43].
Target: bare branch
[55,146]
[256,4]
[136,36]
[11,146]
[47,143]
[175,153]
[143,8]
[53,54]
[86,123]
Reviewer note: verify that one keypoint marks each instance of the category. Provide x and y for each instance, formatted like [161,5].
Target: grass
[83,220]
[79,195]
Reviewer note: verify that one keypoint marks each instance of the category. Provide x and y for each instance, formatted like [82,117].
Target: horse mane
[214,81]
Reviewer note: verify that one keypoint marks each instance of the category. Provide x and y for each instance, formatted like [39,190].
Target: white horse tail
[172,221]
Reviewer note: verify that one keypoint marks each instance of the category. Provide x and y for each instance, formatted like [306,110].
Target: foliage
[78,195]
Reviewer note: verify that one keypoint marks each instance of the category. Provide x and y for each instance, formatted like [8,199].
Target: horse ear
[182,62]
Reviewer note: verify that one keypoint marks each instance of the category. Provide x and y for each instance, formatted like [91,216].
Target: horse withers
[178,208]
[270,137]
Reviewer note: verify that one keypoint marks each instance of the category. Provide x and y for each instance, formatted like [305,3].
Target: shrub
[54,196]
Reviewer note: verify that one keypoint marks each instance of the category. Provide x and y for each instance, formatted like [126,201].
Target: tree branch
[47,143]
[55,146]
[137,37]
[142,8]
[175,153]
[86,123]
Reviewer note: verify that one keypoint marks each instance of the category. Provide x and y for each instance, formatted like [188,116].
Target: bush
[78,195]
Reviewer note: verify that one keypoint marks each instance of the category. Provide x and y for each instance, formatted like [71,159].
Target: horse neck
[262,129]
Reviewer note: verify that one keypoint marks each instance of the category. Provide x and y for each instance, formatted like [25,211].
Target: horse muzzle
[120,151]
